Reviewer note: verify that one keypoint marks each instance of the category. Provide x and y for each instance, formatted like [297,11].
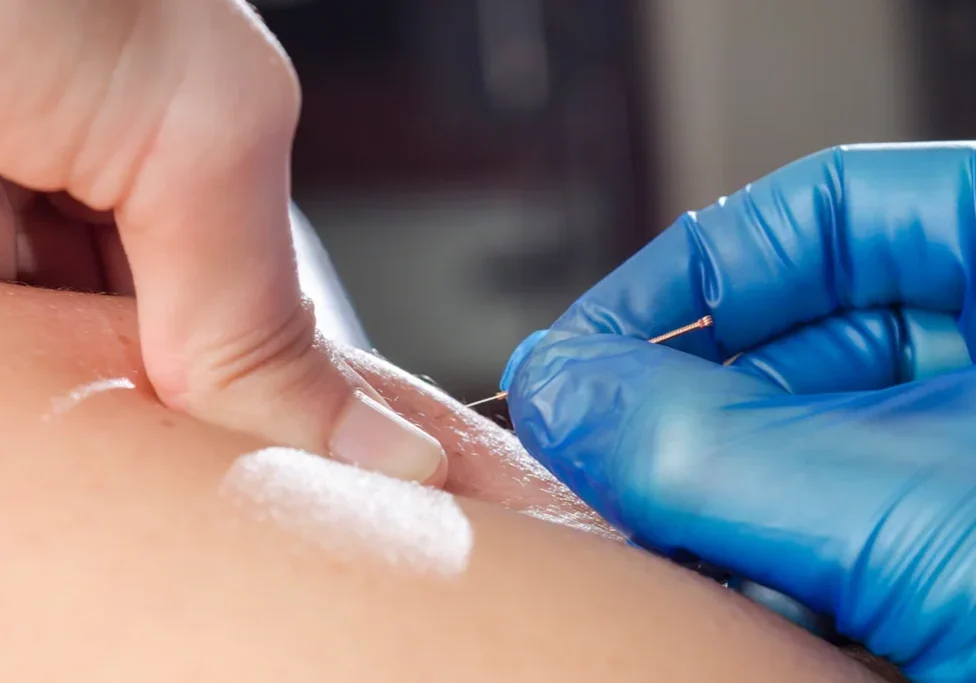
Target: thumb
[204,221]
[226,333]
[237,346]
[293,387]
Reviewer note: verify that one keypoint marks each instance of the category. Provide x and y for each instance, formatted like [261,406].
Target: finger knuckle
[260,64]
[279,355]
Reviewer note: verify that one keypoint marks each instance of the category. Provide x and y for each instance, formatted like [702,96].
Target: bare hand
[173,120]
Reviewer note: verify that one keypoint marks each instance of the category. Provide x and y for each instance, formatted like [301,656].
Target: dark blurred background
[473,165]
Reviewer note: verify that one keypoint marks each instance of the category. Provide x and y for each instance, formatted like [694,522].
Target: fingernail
[371,436]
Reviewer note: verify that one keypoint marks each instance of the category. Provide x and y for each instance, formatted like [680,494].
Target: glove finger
[861,351]
[682,454]
[847,228]
[591,409]
[857,351]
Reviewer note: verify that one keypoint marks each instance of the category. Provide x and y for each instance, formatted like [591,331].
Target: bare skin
[126,562]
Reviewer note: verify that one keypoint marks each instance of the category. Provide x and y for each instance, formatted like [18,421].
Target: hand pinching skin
[176,117]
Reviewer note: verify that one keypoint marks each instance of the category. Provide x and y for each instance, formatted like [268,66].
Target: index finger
[846,228]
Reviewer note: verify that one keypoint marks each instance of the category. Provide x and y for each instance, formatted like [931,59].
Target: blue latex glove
[810,466]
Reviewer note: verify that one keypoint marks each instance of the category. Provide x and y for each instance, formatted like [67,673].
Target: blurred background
[474,165]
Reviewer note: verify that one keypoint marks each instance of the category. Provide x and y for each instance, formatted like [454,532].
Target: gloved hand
[810,466]
[176,118]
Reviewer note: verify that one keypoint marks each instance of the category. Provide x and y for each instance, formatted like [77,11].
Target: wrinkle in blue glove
[835,461]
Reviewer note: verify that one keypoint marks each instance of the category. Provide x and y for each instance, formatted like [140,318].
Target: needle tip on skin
[496,397]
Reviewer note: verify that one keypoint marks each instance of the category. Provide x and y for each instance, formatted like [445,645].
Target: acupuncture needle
[699,324]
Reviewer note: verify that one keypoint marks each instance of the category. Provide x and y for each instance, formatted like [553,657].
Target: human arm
[129,556]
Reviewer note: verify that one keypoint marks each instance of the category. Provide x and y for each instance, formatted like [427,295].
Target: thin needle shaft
[699,324]
[496,397]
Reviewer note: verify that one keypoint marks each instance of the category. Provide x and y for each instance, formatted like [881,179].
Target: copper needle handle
[699,324]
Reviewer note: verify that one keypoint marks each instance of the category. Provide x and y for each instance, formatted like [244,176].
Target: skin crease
[123,559]
[486,462]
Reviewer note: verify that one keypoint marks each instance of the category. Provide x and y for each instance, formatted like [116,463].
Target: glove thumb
[683,454]
[609,415]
